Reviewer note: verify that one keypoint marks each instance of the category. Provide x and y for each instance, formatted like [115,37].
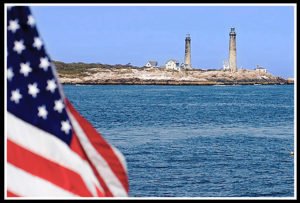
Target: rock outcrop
[159,76]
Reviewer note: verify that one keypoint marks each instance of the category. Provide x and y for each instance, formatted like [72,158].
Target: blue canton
[32,88]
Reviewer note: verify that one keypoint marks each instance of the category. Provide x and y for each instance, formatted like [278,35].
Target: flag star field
[30,80]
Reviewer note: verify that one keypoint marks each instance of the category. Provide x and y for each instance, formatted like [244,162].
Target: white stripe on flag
[51,148]
[120,157]
[98,161]
[22,183]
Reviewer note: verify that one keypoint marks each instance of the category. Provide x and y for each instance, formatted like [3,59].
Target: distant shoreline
[97,74]
[175,83]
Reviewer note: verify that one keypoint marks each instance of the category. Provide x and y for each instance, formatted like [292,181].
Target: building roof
[175,61]
[153,63]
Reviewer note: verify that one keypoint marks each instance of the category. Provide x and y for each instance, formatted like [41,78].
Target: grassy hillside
[79,67]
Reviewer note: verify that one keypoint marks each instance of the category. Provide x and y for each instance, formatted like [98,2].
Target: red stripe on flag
[77,147]
[11,194]
[99,193]
[101,146]
[46,169]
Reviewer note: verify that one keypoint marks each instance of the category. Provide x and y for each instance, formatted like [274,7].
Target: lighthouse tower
[187,56]
[232,50]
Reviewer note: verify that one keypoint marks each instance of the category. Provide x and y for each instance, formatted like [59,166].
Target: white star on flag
[33,90]
[19,46]
[59,105]
[65,126]
[10,74]
[30,21]
[13,25]
[44,63]
[25,69]
[16,96]
[38,43]
[51,86]
[42,112]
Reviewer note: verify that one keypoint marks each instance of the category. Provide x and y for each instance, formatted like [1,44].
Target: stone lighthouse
[232,50]
[187,56]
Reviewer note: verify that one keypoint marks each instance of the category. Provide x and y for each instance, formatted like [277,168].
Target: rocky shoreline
[169,82]
[156,76]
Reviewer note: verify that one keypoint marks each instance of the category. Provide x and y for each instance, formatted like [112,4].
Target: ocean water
[197,141]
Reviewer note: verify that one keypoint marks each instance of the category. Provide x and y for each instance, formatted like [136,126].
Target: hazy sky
[136,34]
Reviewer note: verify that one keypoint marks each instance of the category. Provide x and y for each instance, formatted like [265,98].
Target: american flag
[51,150]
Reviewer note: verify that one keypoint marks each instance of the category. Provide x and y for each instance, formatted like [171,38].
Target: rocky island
[81,73]
[170,74]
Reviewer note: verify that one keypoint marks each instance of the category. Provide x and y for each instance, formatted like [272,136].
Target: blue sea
[197,141]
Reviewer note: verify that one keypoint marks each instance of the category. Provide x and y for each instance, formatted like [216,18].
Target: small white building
[226,65]
[173,65]
[260,69]
[151,64]
[183,66]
